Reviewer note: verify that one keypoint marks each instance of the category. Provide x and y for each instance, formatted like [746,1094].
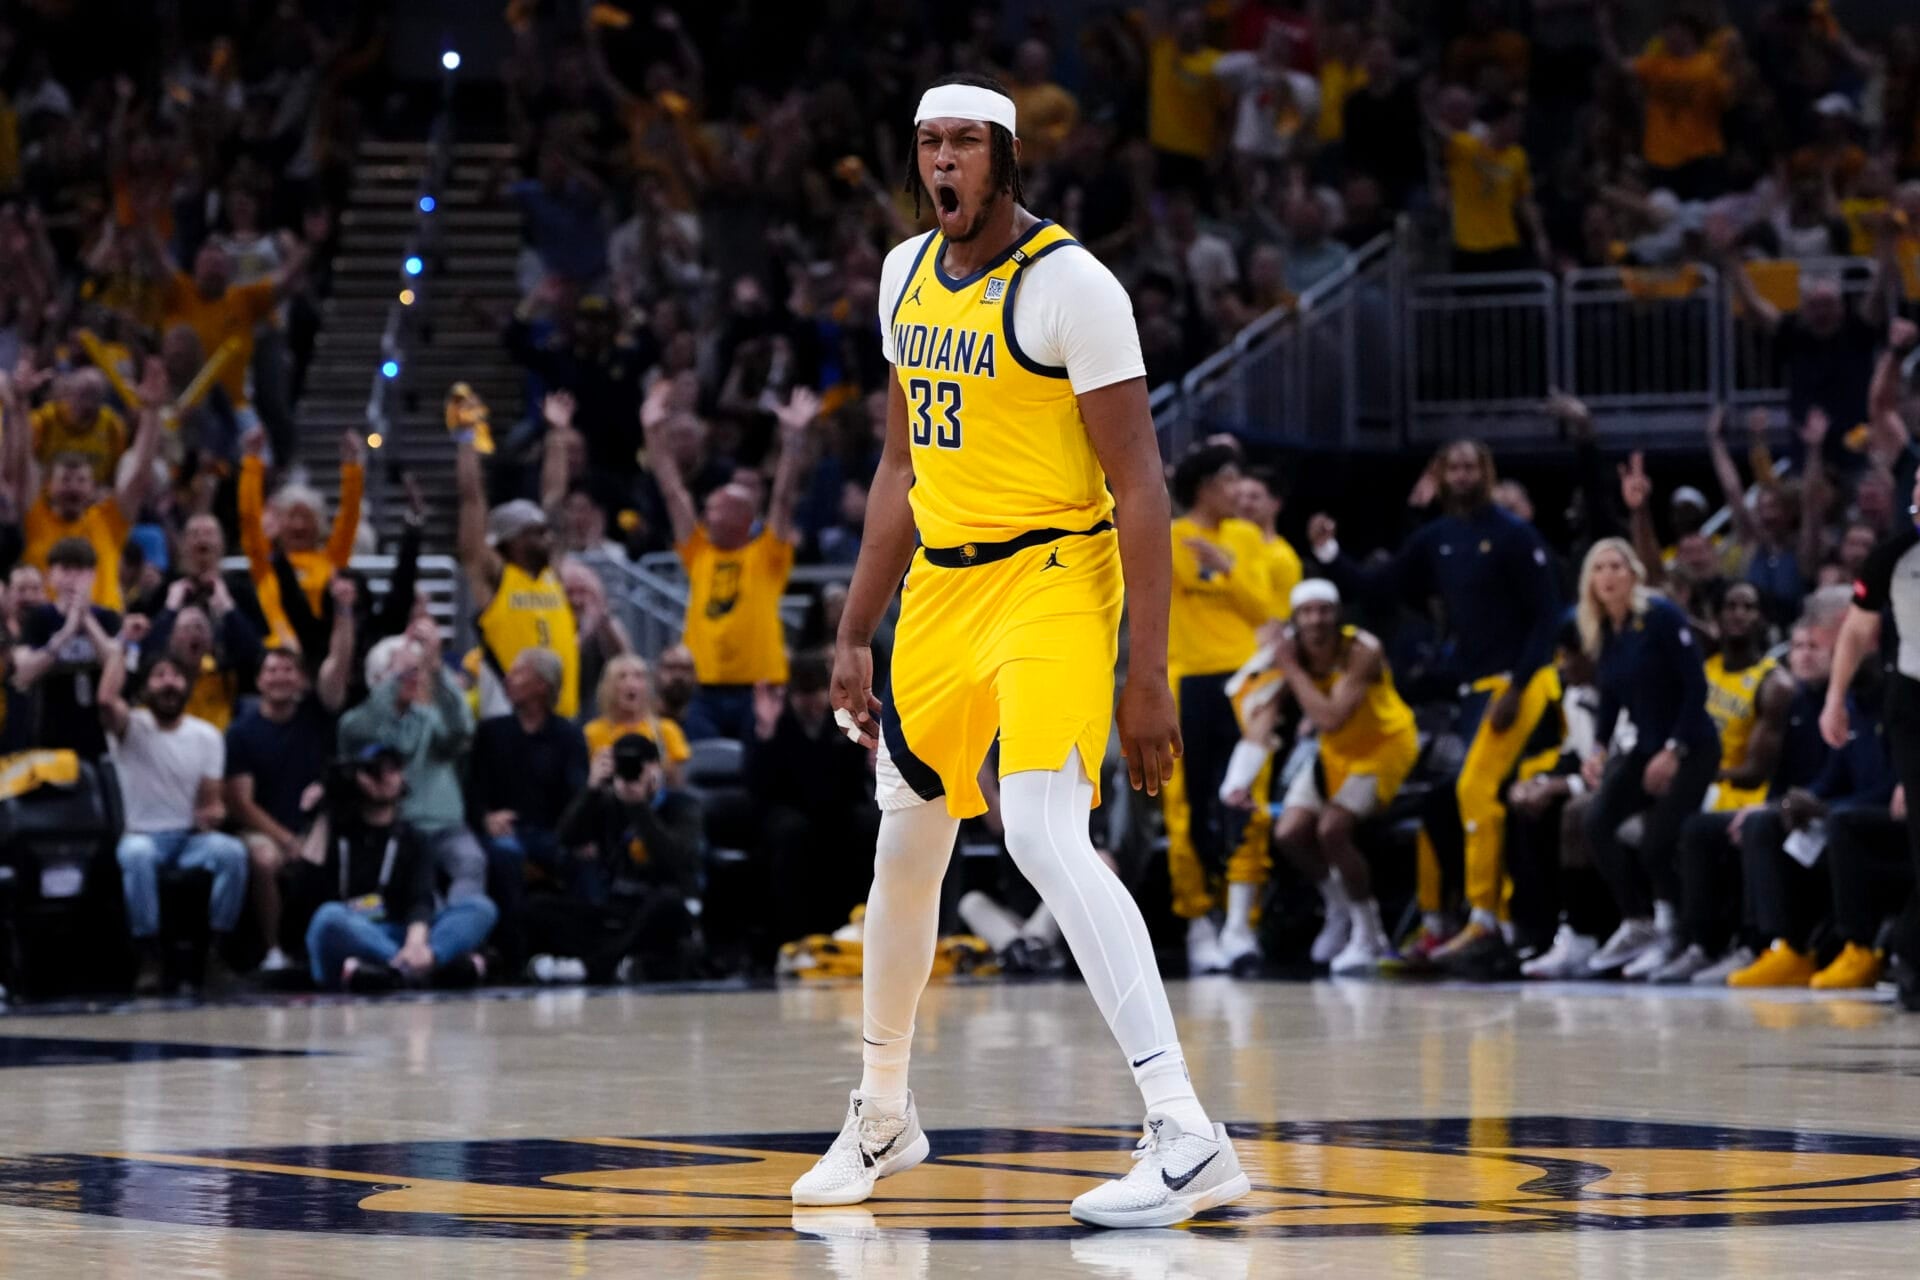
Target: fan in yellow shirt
[625,703]
[735,575]
[1491,192]
[72,505]
[77,421]
[299,513]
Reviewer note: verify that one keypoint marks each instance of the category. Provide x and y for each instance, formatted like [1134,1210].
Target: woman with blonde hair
[624,700]
[1649,665]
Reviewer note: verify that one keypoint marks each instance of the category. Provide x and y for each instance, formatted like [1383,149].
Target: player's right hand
[853,690]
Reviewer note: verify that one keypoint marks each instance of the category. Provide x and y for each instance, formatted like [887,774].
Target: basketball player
[1368,745]
[1019,395]
[518,598]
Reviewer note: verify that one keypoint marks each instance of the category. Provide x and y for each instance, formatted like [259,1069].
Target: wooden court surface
[1390,1130]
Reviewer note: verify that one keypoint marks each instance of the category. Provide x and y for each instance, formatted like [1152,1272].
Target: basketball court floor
[1390,1130]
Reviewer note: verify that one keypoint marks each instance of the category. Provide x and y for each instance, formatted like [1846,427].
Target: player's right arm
[476,557]
[886,545]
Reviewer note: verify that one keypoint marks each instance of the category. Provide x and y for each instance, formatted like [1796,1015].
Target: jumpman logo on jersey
[1053,561]
[914,297]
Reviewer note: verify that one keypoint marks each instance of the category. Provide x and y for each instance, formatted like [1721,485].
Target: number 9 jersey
[999,447]
[527,613]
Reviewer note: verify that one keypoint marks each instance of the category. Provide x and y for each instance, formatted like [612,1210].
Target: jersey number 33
[926,398]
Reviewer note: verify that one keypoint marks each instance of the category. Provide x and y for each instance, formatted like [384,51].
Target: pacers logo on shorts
[1384,1177]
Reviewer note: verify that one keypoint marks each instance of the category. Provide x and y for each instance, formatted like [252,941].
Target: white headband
[966,102]
[1315,591]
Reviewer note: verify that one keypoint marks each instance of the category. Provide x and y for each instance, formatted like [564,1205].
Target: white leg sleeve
[902,923]
[1046,822]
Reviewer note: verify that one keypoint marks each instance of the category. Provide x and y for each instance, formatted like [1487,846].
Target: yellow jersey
[1215,615]
[1382,721]
[529,612]
[314,569]
[1485,187]
[733,608]
[1283,575]
[1733,701]
[999,446]
[602,733]
[103,525]
[100,441]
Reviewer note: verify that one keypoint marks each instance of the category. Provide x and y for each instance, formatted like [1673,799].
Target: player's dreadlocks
[1006,170]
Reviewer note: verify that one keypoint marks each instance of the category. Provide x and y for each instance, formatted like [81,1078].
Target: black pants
[1711,906]
[1784,899]
[817,868]
[650,926]
[1552,880]
[1209,730]
[1903,735]
[1868,868]
[1638,881]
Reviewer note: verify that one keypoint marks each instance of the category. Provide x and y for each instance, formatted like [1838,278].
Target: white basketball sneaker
[869,1148]
[1176,1175]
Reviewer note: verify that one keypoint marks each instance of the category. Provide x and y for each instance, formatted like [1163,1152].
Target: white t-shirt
[1070,313]
[1257,122]
[161,770]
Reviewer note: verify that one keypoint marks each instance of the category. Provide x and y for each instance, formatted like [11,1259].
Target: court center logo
[1386,1177]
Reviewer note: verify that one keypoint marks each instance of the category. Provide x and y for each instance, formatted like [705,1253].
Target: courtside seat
[63,917]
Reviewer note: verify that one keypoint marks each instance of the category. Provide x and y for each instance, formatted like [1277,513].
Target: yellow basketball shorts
[1023,647]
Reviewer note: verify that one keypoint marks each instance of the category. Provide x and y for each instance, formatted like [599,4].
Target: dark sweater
[642,846]
[533,774]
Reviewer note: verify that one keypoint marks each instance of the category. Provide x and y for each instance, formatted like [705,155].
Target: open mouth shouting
[946,204]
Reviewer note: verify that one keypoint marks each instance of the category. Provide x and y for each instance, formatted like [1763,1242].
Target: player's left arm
[1330,711]
[1121,427]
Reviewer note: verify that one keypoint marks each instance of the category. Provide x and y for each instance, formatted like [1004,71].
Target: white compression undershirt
[1070,313]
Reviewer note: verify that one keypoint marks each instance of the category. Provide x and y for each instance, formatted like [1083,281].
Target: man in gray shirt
[416,708]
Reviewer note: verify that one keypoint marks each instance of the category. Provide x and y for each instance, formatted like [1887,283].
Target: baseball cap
[511,519]
[378,752]
[632,753]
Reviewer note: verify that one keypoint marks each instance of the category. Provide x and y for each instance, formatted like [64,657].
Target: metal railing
[438,579]
[653,593]
[1648,351]
[1375,358]
[1303,373]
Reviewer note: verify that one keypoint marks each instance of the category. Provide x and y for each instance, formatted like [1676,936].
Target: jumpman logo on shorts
[1053,561]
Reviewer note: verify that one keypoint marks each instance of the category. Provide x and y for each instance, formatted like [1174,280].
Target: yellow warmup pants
[1491,760]
[1251,862]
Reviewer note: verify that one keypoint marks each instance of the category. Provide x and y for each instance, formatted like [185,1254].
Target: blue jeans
[727,707]
[338,933]
[143,855]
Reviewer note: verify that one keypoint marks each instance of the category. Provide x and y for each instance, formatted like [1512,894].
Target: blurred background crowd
[703,201]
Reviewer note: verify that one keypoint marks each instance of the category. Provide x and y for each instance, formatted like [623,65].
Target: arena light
[374,441]
[414,265]
[390,369]
[426,204]
[450,60]
[406,297]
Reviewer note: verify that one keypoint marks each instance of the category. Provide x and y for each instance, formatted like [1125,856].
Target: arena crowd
[1604,755]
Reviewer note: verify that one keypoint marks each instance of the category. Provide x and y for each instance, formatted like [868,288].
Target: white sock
[1333,892]
[902,923]
[1366,919]
[1666,920]
[1164,1086]
[1434,923]
[1240,906]
[1484,918]
[1046,823]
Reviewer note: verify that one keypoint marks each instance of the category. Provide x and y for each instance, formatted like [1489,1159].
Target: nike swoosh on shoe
[1180,1183]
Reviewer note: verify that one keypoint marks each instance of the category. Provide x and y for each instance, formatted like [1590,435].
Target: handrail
[411,272]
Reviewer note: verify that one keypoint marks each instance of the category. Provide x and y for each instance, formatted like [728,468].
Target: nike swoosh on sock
[1141,1062]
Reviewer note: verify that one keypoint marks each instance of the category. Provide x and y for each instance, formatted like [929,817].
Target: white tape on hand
[844,718]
